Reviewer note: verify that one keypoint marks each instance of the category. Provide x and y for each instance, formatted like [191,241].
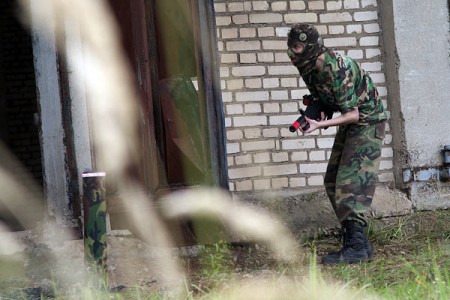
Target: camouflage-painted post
[95,247]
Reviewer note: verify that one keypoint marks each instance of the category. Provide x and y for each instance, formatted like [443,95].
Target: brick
[226,58]
[266,32]
[282,31]
[262,184]
[371,53]
[356,54]
[372,28]
[220,46]
[235,84]
[329,131]
[258,145]
[229,33]
[252,133]
[282,70]
[382,91]
[315,180]
[366,3]
[247,58]
[289,107]
[227,96]
[334,5]
[298,144]
[247,32]
[271,107]
[249,121]
[316,5]
[280,170]
[243,46]
[325,143]
[260,5]
[234,109]
[297,5]
[232,148]
[340,42]
[354,29]
[243,159]
[388,139]
[283,58]
[297,181]
[224,72]
[270,132]
[351,4]
[279,95]
[289,82]
[365,16]
[260,158]
[300,17]
[246,172]
[230,161]
[313,168]
[316,155]
[378,78]
[240,19]
[235,134]
[253,83]
[335,17]
[387,153]
[265,57]
[252,108]
[282,120]
[247,5]
[278,183]
[227,122]
[386,165]
[337,29]
[252,96]
[299,156]
[220,7]
[223,21]
[248,71]
[271,82]
[274,45]
[280,157]
[245,185]
[371,66]
[266,18]
[232,187]
[386,177]
[279,6]
[235,7]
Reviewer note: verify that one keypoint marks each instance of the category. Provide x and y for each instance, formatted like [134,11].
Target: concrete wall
[417,49]
[262,91]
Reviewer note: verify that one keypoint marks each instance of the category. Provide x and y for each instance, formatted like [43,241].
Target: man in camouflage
[341,84]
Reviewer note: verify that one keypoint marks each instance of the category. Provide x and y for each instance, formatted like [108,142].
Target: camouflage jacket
[343,85]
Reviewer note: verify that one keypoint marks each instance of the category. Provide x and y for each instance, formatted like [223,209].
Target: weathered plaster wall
[416,39]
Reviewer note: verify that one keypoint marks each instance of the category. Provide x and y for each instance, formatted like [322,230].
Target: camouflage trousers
[353,168]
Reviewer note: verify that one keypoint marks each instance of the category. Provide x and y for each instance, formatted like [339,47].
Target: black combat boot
[355,249]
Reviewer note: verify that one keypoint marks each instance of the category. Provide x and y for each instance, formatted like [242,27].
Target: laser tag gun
[313,110]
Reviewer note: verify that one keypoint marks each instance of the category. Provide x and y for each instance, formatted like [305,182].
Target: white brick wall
[262,90]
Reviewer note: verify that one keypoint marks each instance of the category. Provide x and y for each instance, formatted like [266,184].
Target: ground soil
[133,265]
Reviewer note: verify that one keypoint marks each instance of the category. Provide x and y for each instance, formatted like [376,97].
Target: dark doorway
[171,47]
[19,118]
[174,63]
